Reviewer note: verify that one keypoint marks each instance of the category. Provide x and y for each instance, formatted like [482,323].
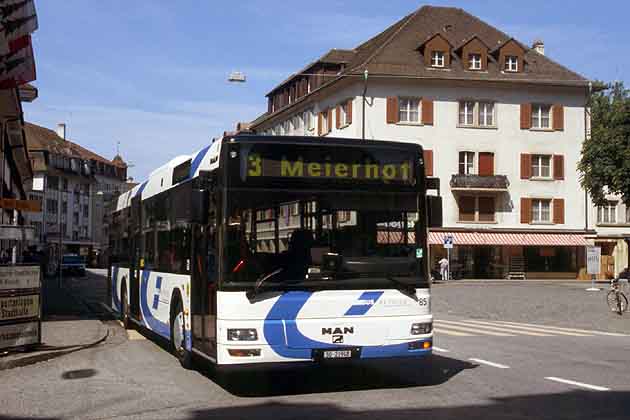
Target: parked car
[73,264]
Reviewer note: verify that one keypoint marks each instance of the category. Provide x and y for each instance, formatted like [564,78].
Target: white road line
[565,329]
[485,362]
[579,384]
[471,328]
[450,332]
[513,329]
[441,350]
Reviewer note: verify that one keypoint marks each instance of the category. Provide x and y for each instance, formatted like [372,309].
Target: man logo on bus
[337,333]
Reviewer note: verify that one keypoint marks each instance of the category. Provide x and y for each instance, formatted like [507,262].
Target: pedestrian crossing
[478,327]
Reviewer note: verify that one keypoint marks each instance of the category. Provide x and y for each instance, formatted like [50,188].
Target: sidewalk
[67,326]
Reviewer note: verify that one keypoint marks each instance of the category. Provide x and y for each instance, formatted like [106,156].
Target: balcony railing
[479,183]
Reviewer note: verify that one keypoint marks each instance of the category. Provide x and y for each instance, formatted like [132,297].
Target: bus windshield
[329,240]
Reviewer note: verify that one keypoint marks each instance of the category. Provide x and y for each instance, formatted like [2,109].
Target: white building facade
[502,129]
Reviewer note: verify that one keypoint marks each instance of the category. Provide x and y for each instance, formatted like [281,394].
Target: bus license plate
[337,354]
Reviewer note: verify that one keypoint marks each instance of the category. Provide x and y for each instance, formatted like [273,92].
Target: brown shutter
[486,209]
[526,210]
[526,166]
[428,162]
[558,211]
[558,167]
[338,116]
[558,117]
[349,112]
[486,164]
[526,116]
[466,206]
[330,117]
[320,123]
[392,110]
[427,111]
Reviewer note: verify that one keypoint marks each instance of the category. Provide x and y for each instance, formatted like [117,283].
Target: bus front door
[203,293]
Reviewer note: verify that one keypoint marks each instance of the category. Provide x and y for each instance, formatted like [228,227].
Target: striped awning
[522,239]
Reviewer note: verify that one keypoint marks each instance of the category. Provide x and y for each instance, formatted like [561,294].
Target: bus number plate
[337,354]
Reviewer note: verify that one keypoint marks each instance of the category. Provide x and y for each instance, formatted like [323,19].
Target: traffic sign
[448,241]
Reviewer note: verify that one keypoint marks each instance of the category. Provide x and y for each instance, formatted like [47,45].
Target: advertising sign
[17,277]
[16,335]
[593,259]
[17,307]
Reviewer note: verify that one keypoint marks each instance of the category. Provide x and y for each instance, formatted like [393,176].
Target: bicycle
[617,300]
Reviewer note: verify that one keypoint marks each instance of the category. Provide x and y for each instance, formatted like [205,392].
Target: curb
[37,358]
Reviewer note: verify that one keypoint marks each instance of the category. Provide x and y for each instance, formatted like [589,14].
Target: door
[203,293]
[134,264]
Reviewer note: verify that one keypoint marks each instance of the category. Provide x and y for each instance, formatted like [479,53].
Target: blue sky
[152,74]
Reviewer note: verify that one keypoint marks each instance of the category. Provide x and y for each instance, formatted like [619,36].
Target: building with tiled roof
[501,124]
[77,184]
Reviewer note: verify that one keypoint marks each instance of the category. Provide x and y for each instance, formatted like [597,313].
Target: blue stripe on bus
[141,189]
[369,299]
[280,327]
[154,324]
[197,161]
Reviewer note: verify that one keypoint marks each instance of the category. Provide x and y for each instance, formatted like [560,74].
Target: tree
[605,162]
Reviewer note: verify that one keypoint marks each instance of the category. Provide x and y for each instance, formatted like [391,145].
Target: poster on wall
[18,277]
[18,307]
[16,335]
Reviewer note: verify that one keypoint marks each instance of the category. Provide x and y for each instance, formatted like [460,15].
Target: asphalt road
[504,350]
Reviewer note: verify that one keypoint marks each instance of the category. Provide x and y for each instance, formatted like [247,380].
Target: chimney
[61,130]
[539,46]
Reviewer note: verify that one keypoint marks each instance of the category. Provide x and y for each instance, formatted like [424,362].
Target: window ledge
[482,127]
[443,68]
[416,124]
[541,178]
[476,222]
[544,130]
[541,223]
[613,225]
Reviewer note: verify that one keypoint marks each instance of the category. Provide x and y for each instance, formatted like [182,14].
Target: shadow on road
[266,382]
[568,405]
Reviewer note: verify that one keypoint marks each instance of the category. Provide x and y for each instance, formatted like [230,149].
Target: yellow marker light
[426,345]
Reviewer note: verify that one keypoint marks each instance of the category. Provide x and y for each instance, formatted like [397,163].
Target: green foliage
[605,162]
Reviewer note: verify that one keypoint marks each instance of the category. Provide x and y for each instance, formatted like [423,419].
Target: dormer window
[437,59]
[474,61]
[511,63]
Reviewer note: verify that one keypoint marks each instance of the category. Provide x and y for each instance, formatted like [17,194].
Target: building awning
[520,238]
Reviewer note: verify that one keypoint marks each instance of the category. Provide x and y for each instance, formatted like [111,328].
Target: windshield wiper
[252,293]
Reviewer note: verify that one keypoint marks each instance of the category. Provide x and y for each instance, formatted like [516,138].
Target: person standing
[444,268]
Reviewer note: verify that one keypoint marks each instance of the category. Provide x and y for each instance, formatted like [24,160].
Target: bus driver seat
[298,254]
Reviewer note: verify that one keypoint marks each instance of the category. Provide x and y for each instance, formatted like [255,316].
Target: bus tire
[124,306]
[178,333]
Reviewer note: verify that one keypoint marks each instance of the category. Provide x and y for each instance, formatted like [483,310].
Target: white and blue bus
[280,249]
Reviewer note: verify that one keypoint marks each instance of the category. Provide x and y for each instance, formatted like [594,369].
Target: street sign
[593,259]
[448,241]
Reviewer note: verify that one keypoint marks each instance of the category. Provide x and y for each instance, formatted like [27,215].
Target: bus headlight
[242,334]
[419,328]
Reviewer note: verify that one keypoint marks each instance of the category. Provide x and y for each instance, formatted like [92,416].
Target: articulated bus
[265,249]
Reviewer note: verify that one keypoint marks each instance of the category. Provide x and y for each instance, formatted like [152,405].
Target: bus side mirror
[434,211]
[199,207]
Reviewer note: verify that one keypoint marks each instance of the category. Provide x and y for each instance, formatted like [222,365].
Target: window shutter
[338,116]
[526,116]
[558,167]
[526,210]
[330,117]
[427,111]
[320,123]
[428,162]
[349,113]
[526,166]
[558,117]
[392,110]
[486,164]
[558,211]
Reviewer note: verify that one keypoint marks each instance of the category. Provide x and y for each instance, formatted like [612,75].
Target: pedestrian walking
[444,268]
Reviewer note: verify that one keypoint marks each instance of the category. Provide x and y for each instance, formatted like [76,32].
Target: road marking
[440,349]
[578,384]
[135,335]
[566,329]
[451,332]
[485,362]
[512,329]
[471,328]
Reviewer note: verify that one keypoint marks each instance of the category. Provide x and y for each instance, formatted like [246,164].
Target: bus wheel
[178,334]
[124,306]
